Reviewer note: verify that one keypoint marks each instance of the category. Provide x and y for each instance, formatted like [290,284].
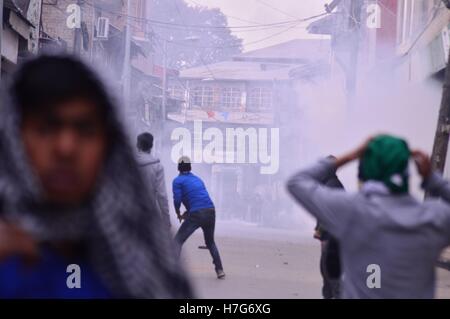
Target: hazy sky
[250,12]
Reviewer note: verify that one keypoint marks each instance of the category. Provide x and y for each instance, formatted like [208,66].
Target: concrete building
[100,38]
[19,37]
[253,92]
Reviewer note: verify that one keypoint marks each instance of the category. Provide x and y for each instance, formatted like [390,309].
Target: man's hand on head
[354,154]
[423,163]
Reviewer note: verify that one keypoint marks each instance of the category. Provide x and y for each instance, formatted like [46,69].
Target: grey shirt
[154,175]
[401,235]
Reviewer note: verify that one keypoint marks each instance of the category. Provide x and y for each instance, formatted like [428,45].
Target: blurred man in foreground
[71,194]
[389,241]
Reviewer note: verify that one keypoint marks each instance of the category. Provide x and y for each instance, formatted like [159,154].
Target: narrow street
[264,123]
[283,265]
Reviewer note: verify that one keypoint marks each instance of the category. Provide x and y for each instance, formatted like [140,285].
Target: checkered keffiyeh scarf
[127,242]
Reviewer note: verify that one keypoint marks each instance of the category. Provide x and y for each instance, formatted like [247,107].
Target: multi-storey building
[255,93]
[19,32]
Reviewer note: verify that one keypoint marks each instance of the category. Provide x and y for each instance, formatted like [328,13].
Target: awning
[19,8]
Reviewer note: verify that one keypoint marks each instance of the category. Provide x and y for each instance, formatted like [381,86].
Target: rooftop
[294,51]
[272,63]
[237,70]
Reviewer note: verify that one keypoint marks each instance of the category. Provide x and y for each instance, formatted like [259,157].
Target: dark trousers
[206,220]
[330,268]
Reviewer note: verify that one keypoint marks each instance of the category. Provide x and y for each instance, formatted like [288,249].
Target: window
[260,99]
[207,97]
[176,92]
[197,96]
[203,97]
[231,98]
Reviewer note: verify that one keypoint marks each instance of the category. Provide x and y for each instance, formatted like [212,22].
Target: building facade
[408,36]
[254,94]
[20,26]
[96,30]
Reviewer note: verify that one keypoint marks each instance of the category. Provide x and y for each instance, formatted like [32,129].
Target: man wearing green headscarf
[389,241]
[386,160]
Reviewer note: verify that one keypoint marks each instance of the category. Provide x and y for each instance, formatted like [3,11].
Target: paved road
[263,263]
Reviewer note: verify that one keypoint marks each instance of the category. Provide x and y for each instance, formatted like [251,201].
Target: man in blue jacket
[190,191]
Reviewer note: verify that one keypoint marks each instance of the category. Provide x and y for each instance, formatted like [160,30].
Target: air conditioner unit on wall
[102,28]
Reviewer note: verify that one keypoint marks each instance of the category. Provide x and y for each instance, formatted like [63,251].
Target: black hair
[145,142]
[184,167]
[184,164]
[47,81]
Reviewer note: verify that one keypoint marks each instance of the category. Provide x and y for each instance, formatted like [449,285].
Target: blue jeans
[206,220]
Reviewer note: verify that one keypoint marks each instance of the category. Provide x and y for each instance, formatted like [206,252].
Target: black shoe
[220,274]
[202,247]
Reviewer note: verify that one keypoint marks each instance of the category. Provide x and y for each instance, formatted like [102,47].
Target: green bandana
[386,160]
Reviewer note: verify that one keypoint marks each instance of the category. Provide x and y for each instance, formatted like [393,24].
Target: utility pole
[354,27]
[346,37]
[165,81]
[77,32]
[441,137]
[164,84]
[1,36]
[91,57]
[162,123]
[126,74]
